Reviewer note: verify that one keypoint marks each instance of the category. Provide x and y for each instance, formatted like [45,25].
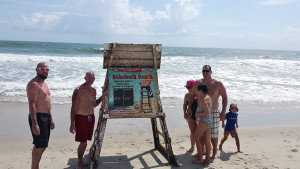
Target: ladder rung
[159,132]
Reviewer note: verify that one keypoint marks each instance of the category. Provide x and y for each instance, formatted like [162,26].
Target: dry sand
[129,144]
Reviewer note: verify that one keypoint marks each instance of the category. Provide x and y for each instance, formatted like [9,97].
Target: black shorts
[194,109]
[44,122]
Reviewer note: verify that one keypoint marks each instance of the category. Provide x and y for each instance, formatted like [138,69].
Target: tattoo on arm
[75,95]
[98,101]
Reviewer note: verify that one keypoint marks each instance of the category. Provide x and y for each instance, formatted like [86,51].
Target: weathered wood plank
[126,115]
[131,47]
[132,55]
[130,63]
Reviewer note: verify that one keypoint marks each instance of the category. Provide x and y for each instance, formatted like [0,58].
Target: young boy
[231,125]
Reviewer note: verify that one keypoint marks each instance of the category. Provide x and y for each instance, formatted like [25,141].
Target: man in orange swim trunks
[82,114]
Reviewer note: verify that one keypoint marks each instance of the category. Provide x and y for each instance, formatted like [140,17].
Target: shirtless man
[82,114]
[40,120]
[215,90]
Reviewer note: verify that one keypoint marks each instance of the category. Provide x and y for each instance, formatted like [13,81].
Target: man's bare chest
[86,96]
[44,91]
[213,89]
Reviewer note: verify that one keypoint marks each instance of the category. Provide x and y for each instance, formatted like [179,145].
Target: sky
[246,24]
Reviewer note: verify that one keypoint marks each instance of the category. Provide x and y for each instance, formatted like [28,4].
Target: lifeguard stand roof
[132,55]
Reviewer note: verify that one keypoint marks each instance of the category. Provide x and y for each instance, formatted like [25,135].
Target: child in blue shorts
[231,125]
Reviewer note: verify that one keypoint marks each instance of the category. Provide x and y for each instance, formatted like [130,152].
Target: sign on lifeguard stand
[132,91]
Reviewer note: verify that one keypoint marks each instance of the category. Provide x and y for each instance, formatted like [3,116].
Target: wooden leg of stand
[97,145]
[168,151]
[155,133]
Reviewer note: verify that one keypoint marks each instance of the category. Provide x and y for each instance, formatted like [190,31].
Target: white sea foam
[260,79]
[11,58]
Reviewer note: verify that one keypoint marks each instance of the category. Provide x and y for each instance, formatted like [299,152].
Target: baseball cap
[189,83]
[234,105]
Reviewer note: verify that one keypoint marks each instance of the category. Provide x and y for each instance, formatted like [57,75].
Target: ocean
[248,75]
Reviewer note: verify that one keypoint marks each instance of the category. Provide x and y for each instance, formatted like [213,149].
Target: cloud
[227,23]
[40,21]
[121,17]
[291,33]
[277,2]
[118,17]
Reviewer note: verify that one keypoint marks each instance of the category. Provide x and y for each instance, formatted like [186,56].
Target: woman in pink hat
[191,119]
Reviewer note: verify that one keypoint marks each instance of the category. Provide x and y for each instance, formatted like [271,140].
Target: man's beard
[43,76]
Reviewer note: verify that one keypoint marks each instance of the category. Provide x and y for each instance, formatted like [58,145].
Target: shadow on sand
[226,156]
[140,161]
[123,162]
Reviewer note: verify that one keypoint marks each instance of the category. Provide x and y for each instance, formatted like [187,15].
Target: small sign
[123,97]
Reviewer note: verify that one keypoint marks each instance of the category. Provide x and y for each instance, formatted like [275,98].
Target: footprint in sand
[290,156]
[294,150]
[273,166]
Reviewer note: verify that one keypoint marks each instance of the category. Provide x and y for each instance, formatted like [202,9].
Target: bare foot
[190,150]
[239,151]
[220,147]
[197,161]
[196,155]
[79,166]
[206,161]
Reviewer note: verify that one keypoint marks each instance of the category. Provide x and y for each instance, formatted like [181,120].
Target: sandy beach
[128,143]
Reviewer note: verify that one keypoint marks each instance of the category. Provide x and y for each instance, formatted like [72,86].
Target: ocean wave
[49,48]
[248,75]
[90,50]
[6,57]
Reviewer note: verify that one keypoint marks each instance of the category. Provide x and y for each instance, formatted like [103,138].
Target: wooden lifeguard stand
[132,91]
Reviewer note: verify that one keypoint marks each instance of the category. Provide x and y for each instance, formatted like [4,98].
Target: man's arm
[223,124]
[99,100]
[224,100]
[52,122]
[32,93]
[237,125]
[74,108]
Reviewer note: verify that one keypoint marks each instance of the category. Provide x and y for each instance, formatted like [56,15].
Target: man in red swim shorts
[82,114]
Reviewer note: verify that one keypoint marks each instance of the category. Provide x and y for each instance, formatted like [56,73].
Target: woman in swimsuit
[191,119]
[204,121]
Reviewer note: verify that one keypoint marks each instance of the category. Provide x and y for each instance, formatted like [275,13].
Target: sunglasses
[42,69]
[205,71]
